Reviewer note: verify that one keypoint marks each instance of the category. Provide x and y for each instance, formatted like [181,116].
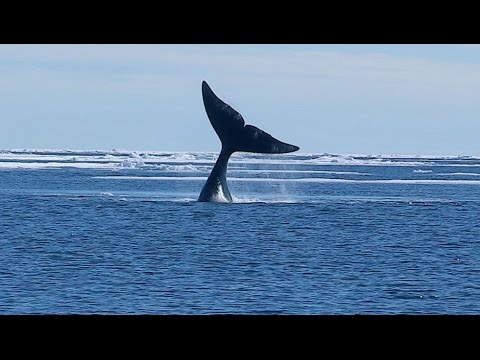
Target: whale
[234,136]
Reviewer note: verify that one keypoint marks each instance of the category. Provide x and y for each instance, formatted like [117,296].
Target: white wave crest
[459,174]
[421,171]
[178,168]
[254,200]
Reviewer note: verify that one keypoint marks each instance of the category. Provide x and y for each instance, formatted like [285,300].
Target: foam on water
[185,200]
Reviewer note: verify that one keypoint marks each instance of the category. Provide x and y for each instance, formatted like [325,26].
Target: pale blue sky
[360,99]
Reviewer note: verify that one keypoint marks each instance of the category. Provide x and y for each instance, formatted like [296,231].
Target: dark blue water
[110,240]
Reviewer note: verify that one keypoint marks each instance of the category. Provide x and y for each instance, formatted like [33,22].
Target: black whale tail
[234,134]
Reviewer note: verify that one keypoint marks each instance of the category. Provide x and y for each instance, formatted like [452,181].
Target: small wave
[267,171]
[421,171]
[254,200]
[179,168]
[459,174]
[308,180]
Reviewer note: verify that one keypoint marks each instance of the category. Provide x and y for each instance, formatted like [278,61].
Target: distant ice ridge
[135,164]
[202,161]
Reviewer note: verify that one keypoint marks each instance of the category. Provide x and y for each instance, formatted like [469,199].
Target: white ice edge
[138,159]
[56,165]
[128,162]
[215,153]
[167,168]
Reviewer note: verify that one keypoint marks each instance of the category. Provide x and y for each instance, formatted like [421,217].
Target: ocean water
[121,232]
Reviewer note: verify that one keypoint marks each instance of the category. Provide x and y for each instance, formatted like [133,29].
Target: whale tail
[234,134]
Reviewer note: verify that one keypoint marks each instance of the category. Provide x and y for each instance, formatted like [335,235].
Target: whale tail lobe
[234,134]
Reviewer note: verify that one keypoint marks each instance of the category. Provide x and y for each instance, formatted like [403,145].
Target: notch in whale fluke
[232,131]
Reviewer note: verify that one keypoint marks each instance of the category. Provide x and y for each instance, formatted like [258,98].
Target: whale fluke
[234,136]
[232,131]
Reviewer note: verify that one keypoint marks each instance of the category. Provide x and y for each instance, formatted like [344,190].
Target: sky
[338,99]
